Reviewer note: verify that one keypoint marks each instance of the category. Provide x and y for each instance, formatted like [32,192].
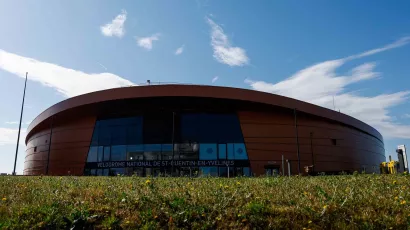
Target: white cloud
[116,27]
[407,115]
[9,136]
[146,42]
[180,50]
[401,42]
[224,52]
[11,122]
[320,83]
[215,79]
[67,81]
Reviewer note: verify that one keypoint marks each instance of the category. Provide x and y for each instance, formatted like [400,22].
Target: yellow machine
[391,167]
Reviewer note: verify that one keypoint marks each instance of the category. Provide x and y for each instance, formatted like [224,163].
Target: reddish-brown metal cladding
[338,142]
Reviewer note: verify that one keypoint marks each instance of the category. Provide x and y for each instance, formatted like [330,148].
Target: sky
[357,52]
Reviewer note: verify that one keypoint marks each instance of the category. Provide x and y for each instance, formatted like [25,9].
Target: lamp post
[18,135]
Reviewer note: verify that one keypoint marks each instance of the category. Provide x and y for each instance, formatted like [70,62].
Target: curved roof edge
[200,91]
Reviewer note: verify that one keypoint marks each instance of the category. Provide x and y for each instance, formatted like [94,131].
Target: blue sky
[355,51]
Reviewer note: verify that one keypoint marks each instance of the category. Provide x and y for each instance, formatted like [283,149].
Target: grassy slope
[325,202]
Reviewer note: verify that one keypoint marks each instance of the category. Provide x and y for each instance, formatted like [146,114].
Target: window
[116,171]
[207,152]
[187,151]
[118,152]
[107,153]
[157,128]
[35,149]
[222,151]
[210,128]
[100,154]
[240,152]
[223,171]
[209,171]
[247,171]
[198,136]
[92,154]
[118,131]
[118,135]
[135,152]
[231,153]
[152,152]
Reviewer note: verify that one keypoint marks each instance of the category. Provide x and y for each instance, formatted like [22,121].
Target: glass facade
[151,141]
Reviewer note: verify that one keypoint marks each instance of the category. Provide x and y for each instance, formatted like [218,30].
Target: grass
[322,202]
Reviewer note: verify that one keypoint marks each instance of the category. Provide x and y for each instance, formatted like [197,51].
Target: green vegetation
[323,202]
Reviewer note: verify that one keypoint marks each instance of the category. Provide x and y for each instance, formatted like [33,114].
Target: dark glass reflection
[198,136]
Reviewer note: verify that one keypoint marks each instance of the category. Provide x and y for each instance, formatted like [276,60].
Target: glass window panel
[166,148]
[223,171]
[118,152]
[188,151]
[207,152]
[107,153]
[118,135]
[222,151]
[134,134]
[157,128]
[100,154]
[247,171]
[135,148]
[240,151]
[238,171]
[106,172]
[93,172]
[99,172]
[166,155]
[209,171]
[210,128]
[116,171]
[104,136]
[135,152]
[231,153]
[92,154]
[152,148]
[152,152]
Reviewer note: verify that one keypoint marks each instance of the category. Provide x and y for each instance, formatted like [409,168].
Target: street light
[18,135]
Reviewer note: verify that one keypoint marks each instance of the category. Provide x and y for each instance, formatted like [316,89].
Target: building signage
[168,163]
